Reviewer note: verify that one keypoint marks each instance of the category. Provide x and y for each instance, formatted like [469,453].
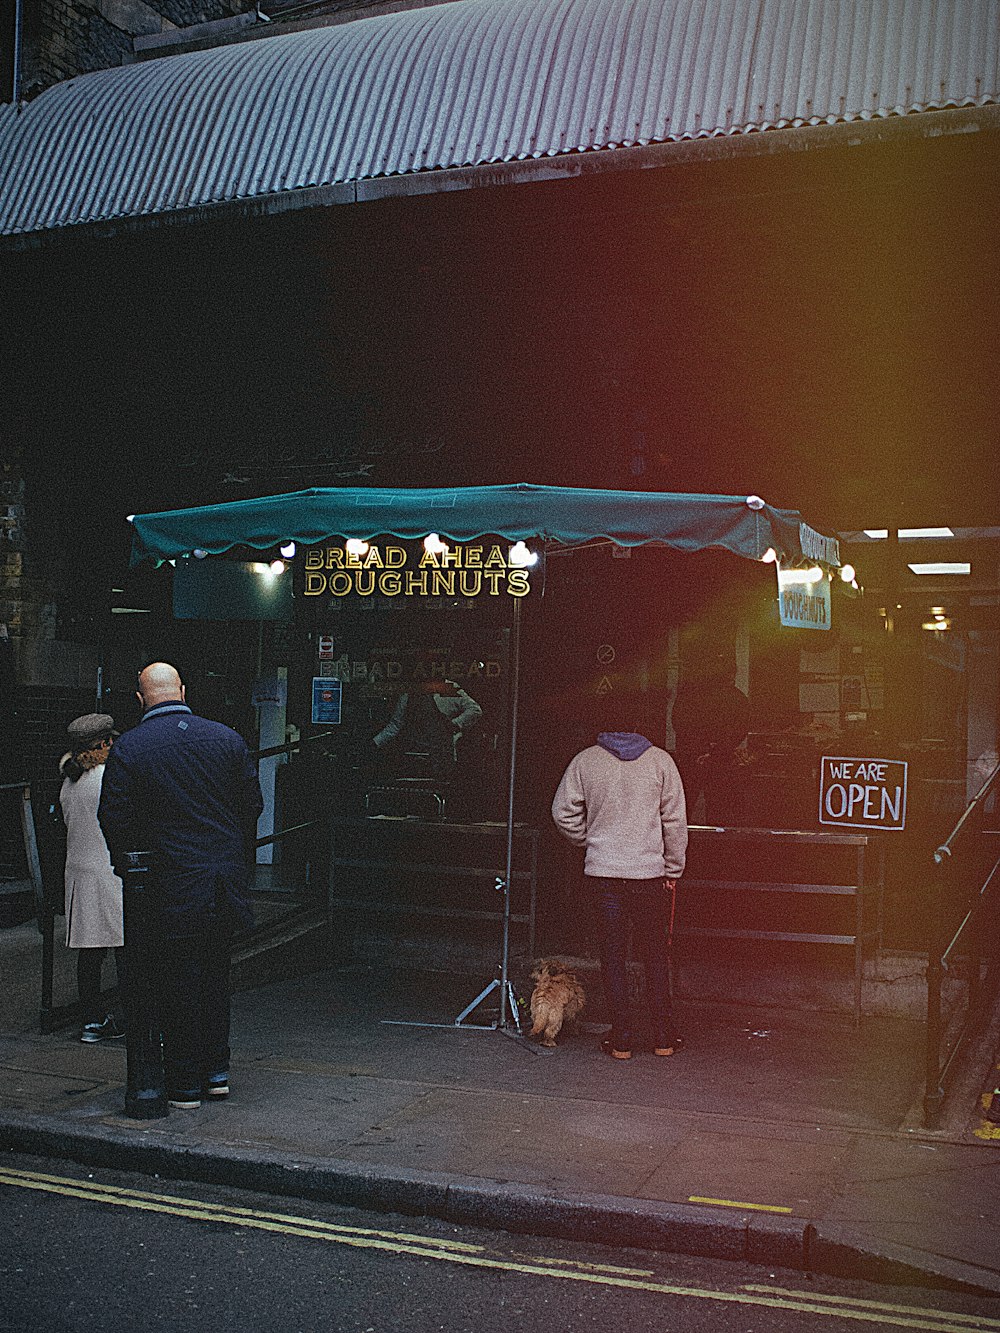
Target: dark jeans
[194,1008]
[89,963]
[645,904]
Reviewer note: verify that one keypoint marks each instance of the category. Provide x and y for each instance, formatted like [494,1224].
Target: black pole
[47,925]
[515,697]
[145,1093]
[933,1091]
[15,82]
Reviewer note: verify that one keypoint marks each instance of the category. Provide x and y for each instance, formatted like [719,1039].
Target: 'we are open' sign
[863,793]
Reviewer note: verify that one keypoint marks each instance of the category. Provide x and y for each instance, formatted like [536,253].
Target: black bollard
[145,1093]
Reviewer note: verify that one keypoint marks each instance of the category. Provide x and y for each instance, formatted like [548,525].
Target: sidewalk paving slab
[794,1112]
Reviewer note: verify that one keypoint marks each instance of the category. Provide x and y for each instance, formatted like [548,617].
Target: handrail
[283,833]
[939,952]
[290,746]
[946,848]
[983,889]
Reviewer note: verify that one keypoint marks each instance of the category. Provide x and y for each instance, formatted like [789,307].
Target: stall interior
[382,706]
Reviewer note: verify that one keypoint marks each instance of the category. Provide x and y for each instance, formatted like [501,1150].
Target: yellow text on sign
[460,572]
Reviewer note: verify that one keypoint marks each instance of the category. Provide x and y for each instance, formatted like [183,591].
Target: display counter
[784,885]
[432,868]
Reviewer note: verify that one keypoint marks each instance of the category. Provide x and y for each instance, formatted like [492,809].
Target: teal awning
[744,525]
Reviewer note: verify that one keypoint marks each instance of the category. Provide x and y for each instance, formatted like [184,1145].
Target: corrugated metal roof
[475,82]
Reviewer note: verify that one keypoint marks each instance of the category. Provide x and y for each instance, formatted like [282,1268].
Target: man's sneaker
[667,1046]
[623,1052]
[216,1087]
[106,1030]
[184,1101]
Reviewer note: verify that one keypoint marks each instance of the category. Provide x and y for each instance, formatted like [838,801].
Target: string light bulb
[522,557]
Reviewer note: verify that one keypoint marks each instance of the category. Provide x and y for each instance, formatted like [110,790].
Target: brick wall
[12,595]
[46,671]
[63,38]
[44,714]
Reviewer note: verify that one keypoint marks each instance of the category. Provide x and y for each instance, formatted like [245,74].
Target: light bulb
[522,557]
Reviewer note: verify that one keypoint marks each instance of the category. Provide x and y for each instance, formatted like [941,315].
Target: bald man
[185,790]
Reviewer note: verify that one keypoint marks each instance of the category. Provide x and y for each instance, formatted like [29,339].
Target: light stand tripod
[508,1017]
[508,1000]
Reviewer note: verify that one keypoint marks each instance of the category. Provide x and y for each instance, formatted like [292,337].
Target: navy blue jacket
[185,789]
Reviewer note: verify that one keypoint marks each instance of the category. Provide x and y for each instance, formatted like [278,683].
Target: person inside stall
[711,718]
[426,730]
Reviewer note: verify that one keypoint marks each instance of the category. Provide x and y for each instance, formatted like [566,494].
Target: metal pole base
[512,1024]
[933,1107]
[150,1105]
[504,987]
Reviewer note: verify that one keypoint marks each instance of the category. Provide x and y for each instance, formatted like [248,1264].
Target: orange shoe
[675,1045]
[613,1051]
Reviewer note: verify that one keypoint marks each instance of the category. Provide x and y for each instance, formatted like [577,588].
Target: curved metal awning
[472,83]
[744,525]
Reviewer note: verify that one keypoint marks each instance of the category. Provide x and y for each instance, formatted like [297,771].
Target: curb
[478,1202]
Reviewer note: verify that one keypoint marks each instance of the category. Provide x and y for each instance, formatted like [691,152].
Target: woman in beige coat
[93,891]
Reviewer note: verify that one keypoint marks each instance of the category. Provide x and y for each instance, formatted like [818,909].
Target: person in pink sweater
[623,801]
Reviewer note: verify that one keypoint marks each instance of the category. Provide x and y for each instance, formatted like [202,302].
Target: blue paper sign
[327,696]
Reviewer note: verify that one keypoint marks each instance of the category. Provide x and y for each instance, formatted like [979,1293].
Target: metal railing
[42,877]
[46,880]
[957,915]
[315,851]
[32,877]
[289,747]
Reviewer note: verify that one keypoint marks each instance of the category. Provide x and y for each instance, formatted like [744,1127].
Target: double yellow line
[476,1256]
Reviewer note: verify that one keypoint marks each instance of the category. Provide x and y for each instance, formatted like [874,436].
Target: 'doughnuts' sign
[393,571]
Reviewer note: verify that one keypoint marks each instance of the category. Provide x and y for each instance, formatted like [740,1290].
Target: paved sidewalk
[786,1138]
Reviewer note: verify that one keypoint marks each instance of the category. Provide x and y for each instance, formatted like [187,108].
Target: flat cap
[89,730]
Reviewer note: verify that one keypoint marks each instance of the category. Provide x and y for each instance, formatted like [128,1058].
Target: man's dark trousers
[645,904]
[195,1007]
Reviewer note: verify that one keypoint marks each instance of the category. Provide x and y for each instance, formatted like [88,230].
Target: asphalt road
[95,1250]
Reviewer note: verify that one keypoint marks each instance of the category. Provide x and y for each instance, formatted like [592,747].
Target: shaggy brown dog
[557,997]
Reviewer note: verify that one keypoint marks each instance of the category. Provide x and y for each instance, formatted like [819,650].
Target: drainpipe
[15,89]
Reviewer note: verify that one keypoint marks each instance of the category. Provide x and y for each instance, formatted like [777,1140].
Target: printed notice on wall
[863,793]
[327,695]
